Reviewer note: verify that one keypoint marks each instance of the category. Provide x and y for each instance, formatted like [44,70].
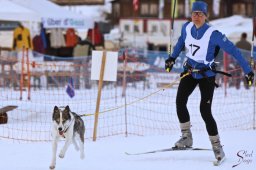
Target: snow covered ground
[232,114]
[109,154]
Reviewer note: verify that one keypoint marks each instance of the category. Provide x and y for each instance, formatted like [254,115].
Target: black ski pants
[206,87]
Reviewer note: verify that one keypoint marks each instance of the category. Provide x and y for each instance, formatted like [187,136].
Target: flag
[135,5]
[70,88]
[176,9]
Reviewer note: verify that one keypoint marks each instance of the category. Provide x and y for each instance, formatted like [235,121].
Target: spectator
[81,54]
[95,36]
[243,43]
[71,37]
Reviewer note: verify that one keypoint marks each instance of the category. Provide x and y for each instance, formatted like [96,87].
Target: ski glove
[169,64]
[249,78]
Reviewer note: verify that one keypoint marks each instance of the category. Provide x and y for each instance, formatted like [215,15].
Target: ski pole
[171,33]
[252,63]
[253,33]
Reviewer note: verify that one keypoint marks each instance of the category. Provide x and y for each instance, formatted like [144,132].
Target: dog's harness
[67,127]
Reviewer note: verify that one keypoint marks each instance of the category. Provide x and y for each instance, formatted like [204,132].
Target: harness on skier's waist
[202,71]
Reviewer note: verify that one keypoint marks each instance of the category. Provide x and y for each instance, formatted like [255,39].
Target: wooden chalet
[79,2]
[151,9]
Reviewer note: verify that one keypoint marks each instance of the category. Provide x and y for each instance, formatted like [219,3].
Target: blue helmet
[200,6]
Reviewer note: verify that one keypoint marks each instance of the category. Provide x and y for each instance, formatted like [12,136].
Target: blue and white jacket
[200,48]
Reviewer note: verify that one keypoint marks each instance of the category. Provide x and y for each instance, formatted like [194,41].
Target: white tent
[54,16]
[13,12]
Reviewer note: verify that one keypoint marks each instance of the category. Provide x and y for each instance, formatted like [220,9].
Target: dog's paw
[52,167]
[61,155]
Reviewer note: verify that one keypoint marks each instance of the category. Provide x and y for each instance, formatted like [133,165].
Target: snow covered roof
[234,26]
[53,15]
[94,11]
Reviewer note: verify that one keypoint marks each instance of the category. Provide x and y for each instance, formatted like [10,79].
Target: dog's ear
[55,109]
[66,113]
[67,108]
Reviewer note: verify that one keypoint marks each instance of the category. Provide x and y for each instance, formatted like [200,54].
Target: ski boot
[217,148]
[186,139]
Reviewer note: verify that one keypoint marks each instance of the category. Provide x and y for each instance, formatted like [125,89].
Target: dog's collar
[63,135]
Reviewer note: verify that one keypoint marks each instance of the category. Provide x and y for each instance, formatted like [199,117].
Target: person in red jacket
[95,36]
[71,38]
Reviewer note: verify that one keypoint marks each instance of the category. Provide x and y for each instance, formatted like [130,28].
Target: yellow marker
[250,83]
[168,69]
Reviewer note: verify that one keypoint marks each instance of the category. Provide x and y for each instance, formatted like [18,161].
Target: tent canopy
[54,16]
[10,11]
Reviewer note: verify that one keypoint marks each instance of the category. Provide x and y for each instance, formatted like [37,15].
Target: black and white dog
[67,125]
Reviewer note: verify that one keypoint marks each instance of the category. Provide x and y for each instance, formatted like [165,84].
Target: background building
[162,9]
[79,2]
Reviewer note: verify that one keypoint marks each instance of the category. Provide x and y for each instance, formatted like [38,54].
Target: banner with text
[65,23]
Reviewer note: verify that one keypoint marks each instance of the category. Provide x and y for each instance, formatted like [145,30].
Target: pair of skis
[215,163]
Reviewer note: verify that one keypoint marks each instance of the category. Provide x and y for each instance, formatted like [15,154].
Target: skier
[201,40]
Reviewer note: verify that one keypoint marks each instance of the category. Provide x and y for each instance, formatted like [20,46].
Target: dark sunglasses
[200,14]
